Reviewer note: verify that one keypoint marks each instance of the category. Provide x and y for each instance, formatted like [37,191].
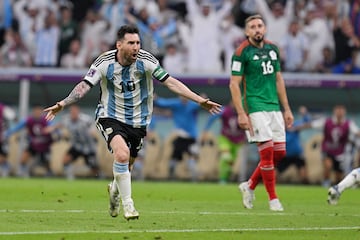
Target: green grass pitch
[60,209]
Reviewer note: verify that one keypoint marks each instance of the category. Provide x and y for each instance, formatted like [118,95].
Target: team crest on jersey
[91,72]
[137,74]
[256,57]
[273,55]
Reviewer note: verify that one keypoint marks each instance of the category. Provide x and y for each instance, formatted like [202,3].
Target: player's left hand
[212,107]
[53,110]
[288,118]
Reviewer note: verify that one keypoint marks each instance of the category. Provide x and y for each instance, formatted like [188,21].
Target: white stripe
[244,213]
[185,230]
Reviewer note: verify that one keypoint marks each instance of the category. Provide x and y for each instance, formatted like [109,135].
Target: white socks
[349,180]
[122,178]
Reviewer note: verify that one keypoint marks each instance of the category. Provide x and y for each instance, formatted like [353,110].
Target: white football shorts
[267,126]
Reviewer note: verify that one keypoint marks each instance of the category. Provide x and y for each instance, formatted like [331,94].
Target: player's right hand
[53,110]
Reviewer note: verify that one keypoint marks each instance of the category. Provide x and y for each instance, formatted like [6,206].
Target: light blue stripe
[144,94]
[110,87]
[120,167]
[128,96]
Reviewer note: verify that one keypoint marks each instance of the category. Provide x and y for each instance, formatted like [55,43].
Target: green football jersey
[258,67]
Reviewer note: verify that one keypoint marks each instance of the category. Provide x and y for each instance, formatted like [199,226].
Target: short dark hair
[126,29]
[252,17]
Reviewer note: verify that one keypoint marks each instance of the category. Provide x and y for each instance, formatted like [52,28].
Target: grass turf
[60,209]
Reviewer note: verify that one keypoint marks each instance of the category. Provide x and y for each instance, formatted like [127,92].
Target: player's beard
[258,38]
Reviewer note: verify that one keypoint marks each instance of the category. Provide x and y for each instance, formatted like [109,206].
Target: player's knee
[122,156]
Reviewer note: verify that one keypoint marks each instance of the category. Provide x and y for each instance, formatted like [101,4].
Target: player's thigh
[277,126]
[267,126]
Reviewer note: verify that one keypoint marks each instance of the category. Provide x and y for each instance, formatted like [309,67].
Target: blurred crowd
[187,36]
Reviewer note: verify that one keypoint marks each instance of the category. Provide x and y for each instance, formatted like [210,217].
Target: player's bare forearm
[236,93]
[77,93]
[280,85]
[181,89]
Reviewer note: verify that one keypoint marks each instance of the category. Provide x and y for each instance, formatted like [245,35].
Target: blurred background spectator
[198,36]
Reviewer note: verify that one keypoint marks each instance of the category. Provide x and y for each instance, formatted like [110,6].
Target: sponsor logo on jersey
[236,66]
[109,131]
[256,57]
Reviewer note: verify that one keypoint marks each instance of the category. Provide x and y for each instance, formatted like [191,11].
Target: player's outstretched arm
[181,89]
[78,92]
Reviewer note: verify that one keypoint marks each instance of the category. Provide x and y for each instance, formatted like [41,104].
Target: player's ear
[118,44]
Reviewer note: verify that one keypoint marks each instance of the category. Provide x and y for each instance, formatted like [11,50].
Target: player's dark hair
[252,17]
[126,29]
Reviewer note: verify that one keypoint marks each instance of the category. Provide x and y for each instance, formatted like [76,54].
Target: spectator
[346,46]
[327,61]
[68,29]
[354,13]
[76,58]
[31,19]
[294,48]
[300,11]
[7,114]
[14,53]
[277,18]
[243,9]
[231,36]
[5,19]
[204,48]
[47,42]
[174,60]
[94,28]
[156,31]
[319,36]
[114,12]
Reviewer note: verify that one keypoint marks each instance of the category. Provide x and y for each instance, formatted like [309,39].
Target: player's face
[37,112]
[255,30]
[74,112]
[128,47]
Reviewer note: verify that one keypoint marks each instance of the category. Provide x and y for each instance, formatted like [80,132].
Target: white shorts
[267,126]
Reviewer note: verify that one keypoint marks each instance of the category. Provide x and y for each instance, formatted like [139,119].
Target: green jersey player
[257,88]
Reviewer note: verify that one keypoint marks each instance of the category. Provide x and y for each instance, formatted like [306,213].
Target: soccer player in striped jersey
[257,88]
[125,107]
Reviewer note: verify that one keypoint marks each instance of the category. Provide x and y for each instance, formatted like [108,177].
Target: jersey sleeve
[237,64]
[93,75]
[354,129]
[319,123]
[277,64]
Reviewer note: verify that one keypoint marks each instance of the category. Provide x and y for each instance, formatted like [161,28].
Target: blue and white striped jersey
[126,91]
